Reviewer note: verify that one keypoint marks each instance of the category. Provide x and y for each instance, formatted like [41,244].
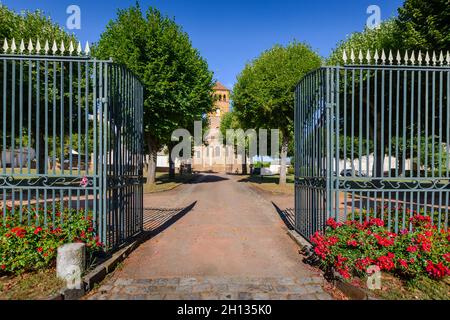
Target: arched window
[220,97]
[224,97]
[217,152]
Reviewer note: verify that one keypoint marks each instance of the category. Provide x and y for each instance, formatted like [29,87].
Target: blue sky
[231,33]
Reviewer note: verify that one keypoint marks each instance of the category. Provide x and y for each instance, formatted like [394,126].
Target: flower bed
[25,248]
[352,247]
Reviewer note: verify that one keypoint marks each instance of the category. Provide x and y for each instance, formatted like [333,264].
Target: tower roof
[220,86]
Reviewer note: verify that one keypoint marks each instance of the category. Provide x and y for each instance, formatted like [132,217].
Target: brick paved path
[231,245]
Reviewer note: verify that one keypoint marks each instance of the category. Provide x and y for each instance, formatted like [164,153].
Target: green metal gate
[373,140]
[71,138]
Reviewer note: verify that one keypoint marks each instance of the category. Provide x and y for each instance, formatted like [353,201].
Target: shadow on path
[156,220]
[288,216]
[208,179]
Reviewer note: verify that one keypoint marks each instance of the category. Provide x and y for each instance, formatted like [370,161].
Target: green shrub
[351,248]
[25,248]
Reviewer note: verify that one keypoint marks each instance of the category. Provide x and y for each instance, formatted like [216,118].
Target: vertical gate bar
[404,144]
[54,119]
[87,136]
[411,194]
[337,116]
[21,136]
[45,138]
[105,104]
[5,88]
[100,157]
[61,160]
[367,112]
[433,137]
[95,154]
[70,123]
[383,150]
[21,125]
[13,120]
[375,131]
[419,133]
[37,135]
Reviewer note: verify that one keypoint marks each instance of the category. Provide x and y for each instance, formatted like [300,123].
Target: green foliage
[177,80]
[263,96]
[30,25]
[424,24]
[26,248]
[385,37]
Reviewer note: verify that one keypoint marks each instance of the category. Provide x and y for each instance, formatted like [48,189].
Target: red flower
[412,249]
[362,264]
[376,222]
[403,263]
[333,224]
[37,230]
[437,270]
[20,232]
[386,262]
[40,249]
[3,267]
[446,257]
[352,243]
[384,242]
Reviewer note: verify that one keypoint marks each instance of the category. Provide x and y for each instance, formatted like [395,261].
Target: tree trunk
[283,156]
[171,165]
[41,156]
[153,152]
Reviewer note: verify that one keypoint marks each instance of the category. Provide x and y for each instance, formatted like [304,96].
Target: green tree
[178,83]
[263,96]
[425,24]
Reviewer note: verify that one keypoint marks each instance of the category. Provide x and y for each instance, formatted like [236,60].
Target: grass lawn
[271,183]
[164,183]
[393,288]
[30,286]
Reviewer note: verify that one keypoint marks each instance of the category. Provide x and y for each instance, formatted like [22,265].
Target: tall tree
[263,96]
[178,83]
[425,24]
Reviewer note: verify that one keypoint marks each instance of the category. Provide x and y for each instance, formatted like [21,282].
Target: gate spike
[413,58]
[368,57]
[79,49]
[22,46]
[352,56]
[448,58]
[30,47]
[344,57]
[391,57]
[62,49]
[406,57]
[441,58]
[13,46]
[361,57]
[38,46]
[420,58]
[376,56]
[54,47]
[434,58]
[427,58]
[383,57]
[399,58]
[87,49]
[5,46]
[71,48]
[46,47]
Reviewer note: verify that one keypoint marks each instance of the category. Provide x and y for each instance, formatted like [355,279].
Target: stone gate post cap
[71,247]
